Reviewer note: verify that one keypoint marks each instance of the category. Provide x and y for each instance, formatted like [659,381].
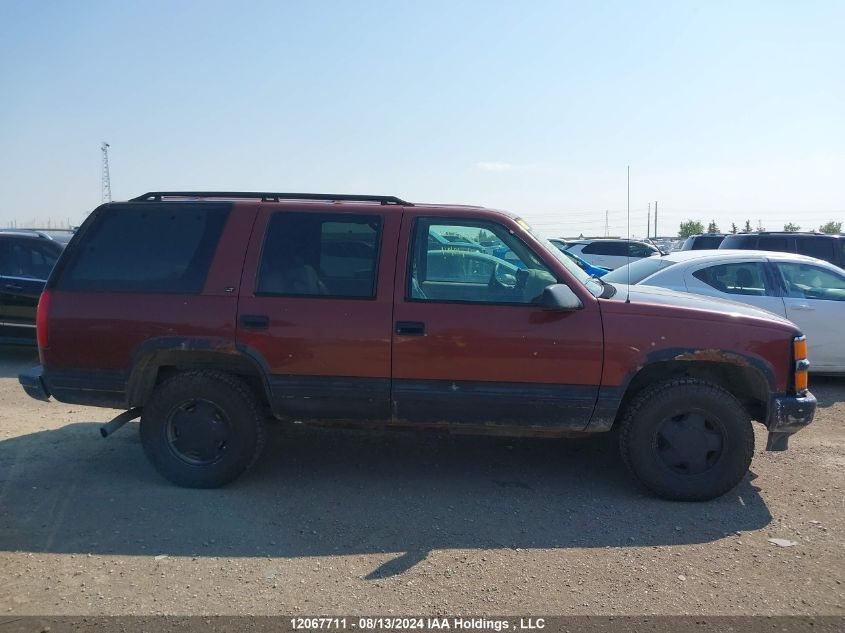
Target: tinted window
[739,241]
[606,248]
[149,247]
[778,244]
[805,281]
[821,248]
[320,254]
[704,242]
[27,258]
[511,274]
[741,278]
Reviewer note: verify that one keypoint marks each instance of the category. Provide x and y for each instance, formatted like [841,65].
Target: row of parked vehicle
[800,276]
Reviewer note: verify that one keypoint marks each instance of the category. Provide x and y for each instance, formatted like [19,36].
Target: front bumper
[32,382]
[788,415]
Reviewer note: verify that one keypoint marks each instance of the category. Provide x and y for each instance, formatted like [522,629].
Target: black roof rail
[156,196]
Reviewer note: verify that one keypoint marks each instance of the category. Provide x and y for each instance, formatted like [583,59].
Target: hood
[663,296]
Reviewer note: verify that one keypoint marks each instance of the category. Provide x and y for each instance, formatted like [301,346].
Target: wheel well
[162,365]
[743,382]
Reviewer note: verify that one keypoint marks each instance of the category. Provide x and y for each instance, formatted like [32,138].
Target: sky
[724,111]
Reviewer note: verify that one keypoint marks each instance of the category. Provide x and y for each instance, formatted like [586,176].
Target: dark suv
[830,248]
[26,259]
[207,313]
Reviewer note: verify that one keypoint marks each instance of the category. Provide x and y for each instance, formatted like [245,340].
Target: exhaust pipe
[119,421]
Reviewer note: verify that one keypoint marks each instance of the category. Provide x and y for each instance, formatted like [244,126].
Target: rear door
[315,308]
[470,344]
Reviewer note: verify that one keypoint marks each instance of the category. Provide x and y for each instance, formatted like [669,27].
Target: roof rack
[156,196]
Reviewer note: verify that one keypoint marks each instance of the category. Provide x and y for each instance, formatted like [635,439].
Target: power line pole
[606,225]
[648,222]
[106,180]
[655,218]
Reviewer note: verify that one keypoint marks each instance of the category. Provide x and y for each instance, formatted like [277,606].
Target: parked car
[593,271]
[702,242]
[205,313]
[810,292]
[452,241]
[26,259]
[611,254]
[830,248]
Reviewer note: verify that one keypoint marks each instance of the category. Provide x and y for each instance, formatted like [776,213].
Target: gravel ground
[351,522]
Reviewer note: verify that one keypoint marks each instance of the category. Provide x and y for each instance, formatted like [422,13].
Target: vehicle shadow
[319,492]
[829,390]
[15,359]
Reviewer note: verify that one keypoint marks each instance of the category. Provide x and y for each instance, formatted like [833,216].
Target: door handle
[803,306]
[410,328]
[255,321]
[13,287]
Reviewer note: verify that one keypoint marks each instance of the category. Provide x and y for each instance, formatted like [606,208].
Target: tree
[760,227]
[690,227]
[712,227]
[831,227]
[747,228]
[733,228]
[791,228]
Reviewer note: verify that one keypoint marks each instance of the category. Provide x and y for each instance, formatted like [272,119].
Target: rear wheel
[202,429]
[687,440]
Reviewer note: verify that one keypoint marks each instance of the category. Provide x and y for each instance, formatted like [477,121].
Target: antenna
[106,181]
[628,242]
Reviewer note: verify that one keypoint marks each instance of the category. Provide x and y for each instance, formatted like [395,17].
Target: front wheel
[687,440]
[202,429]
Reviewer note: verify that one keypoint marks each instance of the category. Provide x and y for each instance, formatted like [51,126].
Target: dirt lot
[354,522]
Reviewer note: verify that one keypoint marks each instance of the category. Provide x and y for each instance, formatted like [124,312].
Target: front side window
[806,281]
[29,260]
[320,254]
[641,250]
[508,272]
[741,278]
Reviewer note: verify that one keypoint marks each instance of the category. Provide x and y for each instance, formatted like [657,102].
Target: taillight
[802,365]
[41,319]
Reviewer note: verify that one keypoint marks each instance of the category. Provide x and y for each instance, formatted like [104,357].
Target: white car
[611,254]
[807,291]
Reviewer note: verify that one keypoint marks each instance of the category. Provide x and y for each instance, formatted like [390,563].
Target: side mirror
[560,298]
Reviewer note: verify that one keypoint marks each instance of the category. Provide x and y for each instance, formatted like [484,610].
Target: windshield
[592,284]
[638,270]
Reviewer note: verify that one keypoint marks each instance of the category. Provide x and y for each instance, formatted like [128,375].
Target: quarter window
[147,247]
[318,254]
[741,278]
[461,270]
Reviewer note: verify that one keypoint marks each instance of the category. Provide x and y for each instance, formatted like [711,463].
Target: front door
[471,344]
[315,311]
[815,302]
[25,265]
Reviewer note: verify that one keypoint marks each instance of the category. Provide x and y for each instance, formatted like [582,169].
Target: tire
[202,429]
[687,440]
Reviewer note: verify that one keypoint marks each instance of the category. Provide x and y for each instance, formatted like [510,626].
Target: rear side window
[149,247]
[820,248]
[741,278]
[777,244]
[320,254]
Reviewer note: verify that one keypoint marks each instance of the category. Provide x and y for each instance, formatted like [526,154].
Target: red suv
[207,313]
